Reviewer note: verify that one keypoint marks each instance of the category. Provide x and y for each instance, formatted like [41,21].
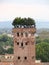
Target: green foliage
[31,21]
[10,51]
[46,40]
[42,51]
[38,41]
[42,48]
[23,21]
[2,51]
[5,41]
[4,38]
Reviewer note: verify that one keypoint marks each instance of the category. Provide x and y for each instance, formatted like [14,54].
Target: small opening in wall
[18,57]
[8,57]
[32,57]
[25,58]
[18,34]
[26,43]
[22,44]
[17,43]
[21,34]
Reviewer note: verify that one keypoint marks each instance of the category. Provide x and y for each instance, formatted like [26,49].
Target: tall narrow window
[26,43]
[18,34]
[22,44]
[21,34]
[15,41]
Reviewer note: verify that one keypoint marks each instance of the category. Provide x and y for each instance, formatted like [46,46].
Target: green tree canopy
[42,51]
[10,51]
[2,51]
[23,21]
[4,42]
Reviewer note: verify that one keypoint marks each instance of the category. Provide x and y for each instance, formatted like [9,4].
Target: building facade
[24,46]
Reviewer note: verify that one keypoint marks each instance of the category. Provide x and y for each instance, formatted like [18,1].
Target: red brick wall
[27,50]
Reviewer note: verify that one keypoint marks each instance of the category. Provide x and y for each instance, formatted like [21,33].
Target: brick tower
[24,45]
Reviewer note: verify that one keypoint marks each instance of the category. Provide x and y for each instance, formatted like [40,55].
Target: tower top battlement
[31,30]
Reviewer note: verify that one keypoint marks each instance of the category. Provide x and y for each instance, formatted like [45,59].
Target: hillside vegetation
[6,44]
[42,46]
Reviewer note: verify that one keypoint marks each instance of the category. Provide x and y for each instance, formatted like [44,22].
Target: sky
[36,9]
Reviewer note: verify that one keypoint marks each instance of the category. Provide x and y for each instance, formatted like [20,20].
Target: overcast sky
[37,9]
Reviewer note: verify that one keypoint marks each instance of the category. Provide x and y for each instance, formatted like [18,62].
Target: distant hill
[42,29]
[43,33]
[6,24]
[6,30]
